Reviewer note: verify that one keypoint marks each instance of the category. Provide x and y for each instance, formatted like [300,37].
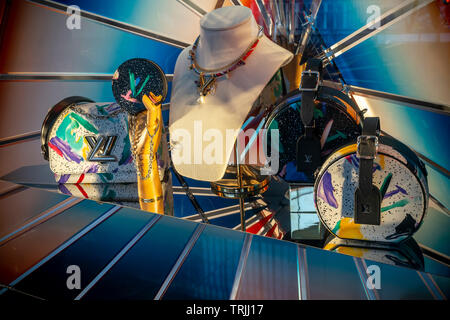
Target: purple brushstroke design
[394,192]
[92,169]
[63,178]
[112,107]
[65,150]
[129,160]
[326,190]
[64,190]
[354,160]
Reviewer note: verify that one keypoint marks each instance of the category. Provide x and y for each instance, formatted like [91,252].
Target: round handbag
[399,176]
[337,122]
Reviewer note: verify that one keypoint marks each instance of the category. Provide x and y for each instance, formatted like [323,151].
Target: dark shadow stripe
[437,256]
[20,292]
[115,24]
[5,8]
[12,191]
[60,76]
[219,4]
[19,138]
[190,195]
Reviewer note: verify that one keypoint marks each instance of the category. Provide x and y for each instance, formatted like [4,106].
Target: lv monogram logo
[101,148]
[308,158]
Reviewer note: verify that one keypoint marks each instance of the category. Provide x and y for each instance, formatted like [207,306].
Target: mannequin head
[225,34]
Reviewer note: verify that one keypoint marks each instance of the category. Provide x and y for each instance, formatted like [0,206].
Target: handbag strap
[367,196]
[51,117]
[309,87]
[308,146]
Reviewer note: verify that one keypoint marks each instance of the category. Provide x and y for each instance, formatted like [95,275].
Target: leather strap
[367,196]
[311,78]
[368,151]
[308,145]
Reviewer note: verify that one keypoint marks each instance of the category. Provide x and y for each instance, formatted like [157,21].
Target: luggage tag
[308,152]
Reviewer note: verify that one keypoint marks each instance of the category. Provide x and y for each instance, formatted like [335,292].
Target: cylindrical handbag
[400,178]
[337,122]
[87,142]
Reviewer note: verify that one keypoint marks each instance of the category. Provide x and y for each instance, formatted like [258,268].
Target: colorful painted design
[354,160]
[394,192]
[333,125]
[325,191]
[385,185]
[63,149]
[397,204]
[348,229]
[69,149]
[402,189]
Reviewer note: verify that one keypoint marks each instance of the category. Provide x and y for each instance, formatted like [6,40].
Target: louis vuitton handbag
[88,142]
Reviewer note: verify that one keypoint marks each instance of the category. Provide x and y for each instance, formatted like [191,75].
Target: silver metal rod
[119,256]
[239,178]
[266,17]
[66,244]
[193,7]
[61,76]
[306,33]
[386,96]
[115,24]
[176,267]
[372,28]
[241,266]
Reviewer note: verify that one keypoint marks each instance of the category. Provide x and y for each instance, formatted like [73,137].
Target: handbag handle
[51,117]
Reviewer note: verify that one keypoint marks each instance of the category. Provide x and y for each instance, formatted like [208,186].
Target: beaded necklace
[207,77]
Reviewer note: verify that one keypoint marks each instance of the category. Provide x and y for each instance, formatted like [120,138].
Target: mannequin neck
[225,42]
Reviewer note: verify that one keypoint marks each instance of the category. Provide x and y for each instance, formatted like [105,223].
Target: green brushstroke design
[71,122]
[318,113]
[101,110]
[64,133]
[126,152]
[108,194]
[339,134]
[397,204]
[83,122]
[337,227]
[143,85]
[106,177]
[385,185]
[132,83]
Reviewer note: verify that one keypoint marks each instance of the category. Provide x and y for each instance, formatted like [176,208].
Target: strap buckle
[307,84]
[367,147]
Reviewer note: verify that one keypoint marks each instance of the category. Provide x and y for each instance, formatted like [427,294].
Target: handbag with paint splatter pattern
[87,142]
[399,177]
